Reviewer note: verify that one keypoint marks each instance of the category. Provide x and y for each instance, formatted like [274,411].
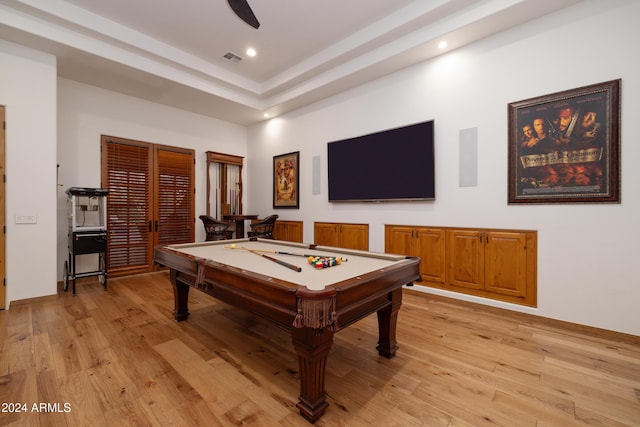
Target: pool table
[273,279]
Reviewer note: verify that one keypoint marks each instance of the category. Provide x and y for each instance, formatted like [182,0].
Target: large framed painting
[286,180]
[565,147]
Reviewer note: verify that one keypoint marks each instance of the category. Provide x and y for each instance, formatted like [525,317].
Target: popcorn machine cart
[87,232]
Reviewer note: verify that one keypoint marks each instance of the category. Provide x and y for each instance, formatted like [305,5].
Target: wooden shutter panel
[175,196]
[127,175]
[150,201]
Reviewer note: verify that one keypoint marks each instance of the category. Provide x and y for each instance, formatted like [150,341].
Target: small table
[239,220]
[312,304]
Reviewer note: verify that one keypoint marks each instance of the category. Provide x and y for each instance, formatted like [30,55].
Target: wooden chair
[216,229]
[263,227]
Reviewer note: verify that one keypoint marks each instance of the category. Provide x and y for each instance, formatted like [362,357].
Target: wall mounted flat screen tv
[395,164]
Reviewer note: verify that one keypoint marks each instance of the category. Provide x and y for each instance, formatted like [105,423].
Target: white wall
[586,253]
[28,92]
[86,112]
[28,86]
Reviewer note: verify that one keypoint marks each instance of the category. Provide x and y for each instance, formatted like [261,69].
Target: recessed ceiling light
[441,45]
[266,115]
[251,52]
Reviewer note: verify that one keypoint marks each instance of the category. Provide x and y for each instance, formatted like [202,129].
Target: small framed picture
[286,180]
[565,147]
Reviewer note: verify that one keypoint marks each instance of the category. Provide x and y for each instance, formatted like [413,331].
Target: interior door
[127,173]
[150,201]
[3,253]
[174,196]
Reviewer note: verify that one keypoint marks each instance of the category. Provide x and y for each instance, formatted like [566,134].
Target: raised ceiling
[172,51]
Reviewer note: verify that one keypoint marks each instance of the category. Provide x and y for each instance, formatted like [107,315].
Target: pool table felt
[358,262]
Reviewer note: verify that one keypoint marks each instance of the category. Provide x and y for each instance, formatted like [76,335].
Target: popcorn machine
[87,232]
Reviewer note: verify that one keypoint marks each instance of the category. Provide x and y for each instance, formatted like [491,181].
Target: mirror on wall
[224,184]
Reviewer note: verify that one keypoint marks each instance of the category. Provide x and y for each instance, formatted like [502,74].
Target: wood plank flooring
[118,358]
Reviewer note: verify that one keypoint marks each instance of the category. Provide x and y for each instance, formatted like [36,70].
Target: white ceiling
[171,51]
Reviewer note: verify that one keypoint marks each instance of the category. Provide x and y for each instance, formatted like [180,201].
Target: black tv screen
[395,164]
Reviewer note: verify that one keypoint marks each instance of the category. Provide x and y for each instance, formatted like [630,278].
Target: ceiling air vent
[232,57]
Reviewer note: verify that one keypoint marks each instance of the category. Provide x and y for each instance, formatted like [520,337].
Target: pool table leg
[387,320]
[180,297]
[312,349]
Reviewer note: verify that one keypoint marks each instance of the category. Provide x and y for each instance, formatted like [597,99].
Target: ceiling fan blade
[244,12]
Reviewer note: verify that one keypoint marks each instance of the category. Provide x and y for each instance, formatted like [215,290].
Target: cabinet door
[290,231]
[280,231]
[325,233]
[354,236]
[431,248]
[466,259]
[399,239]
[506,263]
[295,231]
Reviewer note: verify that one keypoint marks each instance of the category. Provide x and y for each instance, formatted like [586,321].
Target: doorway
[151,201]
[3,253]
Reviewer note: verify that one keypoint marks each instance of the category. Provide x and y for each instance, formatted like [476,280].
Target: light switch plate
[26,219]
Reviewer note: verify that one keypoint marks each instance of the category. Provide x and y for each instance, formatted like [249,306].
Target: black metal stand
[82,243]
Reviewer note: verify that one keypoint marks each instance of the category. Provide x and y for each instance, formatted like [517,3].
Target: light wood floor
[118,358]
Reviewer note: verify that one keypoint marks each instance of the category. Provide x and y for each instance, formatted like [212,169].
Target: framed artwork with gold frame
[565,147]
[286,180]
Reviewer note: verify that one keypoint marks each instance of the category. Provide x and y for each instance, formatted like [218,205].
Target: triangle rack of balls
[323,262]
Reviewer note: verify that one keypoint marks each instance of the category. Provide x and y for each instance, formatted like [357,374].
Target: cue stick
[290,253]
[283,263]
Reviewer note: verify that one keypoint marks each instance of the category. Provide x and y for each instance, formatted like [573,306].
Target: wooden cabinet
[291,231]
[465,259]
[325,233]
[424,242]
[341,235]
[491,263]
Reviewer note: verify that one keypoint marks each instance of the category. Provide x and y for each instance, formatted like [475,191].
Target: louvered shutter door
[128,177]
[150,201]
[175,193]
